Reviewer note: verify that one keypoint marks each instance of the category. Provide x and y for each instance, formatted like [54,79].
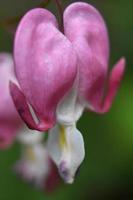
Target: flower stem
[60,11]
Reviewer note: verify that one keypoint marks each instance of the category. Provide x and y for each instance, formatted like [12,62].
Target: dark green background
[107,172]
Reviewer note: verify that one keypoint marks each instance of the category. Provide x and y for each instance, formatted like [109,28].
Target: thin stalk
[60,13]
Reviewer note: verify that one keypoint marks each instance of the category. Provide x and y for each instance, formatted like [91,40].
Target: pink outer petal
[23,109]
[114,82]
[45,63]
[86,29]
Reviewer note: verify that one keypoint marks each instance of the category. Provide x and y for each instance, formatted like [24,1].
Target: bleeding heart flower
[10,121]
[62,74]
[35,166]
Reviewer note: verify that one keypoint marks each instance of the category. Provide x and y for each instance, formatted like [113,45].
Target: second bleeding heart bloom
[10,122]
[61,74]
[34,165]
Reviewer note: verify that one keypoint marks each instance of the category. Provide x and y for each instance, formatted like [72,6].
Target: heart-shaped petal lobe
[86,29]
[45,63]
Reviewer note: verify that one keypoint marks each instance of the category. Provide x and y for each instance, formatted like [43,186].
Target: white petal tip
[65,173]
[69,181]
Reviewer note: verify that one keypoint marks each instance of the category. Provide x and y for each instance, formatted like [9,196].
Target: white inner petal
[29,137]
[69,109]
[66,148]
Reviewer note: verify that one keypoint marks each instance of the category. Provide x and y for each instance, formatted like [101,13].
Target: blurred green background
[107,172]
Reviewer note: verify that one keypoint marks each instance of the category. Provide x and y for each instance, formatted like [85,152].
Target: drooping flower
[61,74]
[35,165]
[10,121]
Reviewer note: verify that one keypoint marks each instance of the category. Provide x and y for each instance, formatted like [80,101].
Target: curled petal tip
[24,111]
[116,74]
[42,126]
[21,105]
[123,60]
[119,68]
[114,82]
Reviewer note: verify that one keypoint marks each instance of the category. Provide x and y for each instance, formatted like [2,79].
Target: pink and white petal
[45,63]
[86,29]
